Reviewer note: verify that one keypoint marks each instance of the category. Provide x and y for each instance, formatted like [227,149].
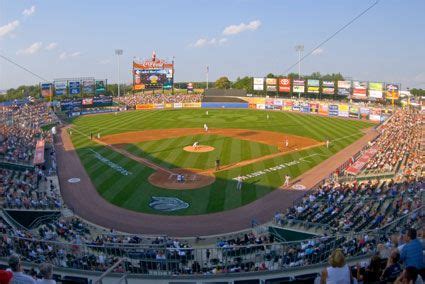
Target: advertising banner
[323,109]
[359,90]
[287,105]
[333,110]
[158,106]
[88,86]
[313,86]
[261,106]
[328,87]
[305,107]
[178,105]
[102,101]
[344,88]
[74,88]
[87,102]
[343,110]
[354,112]
[252,106]
[278,102]
[375,114]
[296,106]
[100,87]
[314,108]
[271,84]
[144,106]
[191,105]
[298,86]
[60,88]
[168,105]
[364,113]
[284,85]
[375,90]
[258,84]
[46,90]
[70,104]
[392,91]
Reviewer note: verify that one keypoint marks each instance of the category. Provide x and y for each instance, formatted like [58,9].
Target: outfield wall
[333,109]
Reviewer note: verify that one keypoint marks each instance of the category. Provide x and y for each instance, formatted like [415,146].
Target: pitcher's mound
[199,148]
[191,179]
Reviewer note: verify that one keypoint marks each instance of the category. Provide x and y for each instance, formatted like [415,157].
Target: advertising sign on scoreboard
[298,86]
[354,112]
[100,87]
[88,86]
[271,84]
[375,90]
[190,87]
[343,110]
[313,86]
[284,85]
[46,90]
[344,88]
[328,87]
[60,88]
[258,84]
[392,91]
[359,90]
[74,87]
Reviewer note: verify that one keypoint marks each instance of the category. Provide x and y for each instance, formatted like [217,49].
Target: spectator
[338,272]
[5,276]
[46,271]
[393,268]
[409,276]
[411,253]
[18,276]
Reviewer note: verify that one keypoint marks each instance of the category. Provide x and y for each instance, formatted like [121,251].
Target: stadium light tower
[118,52]
[300,49]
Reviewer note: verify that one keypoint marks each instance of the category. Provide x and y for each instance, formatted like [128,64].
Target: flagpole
[208,71]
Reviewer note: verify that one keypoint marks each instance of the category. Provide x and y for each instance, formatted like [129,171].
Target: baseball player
[206,112]
[206,127]
[327,143]
[239,184]
[195,145]
[286,143]
[267,116]
[287,178]
[98,135]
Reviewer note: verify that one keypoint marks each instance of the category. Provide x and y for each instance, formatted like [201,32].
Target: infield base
[192,179]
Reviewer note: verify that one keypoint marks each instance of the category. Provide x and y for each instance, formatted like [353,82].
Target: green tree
[417,92]
[243,83]
[222,83]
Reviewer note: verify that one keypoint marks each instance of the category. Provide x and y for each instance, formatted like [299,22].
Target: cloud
[65,55]
[51,46]
[104,61]
[29,12]
[8,28]
[317,51]
[242,27]
[33,48]
[202,42]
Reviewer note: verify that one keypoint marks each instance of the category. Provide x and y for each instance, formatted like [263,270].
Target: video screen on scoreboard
[154,78]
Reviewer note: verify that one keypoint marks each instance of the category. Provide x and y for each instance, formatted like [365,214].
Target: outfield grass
[134,192]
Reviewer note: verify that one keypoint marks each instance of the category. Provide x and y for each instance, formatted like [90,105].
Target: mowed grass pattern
[168,152]
[134,192]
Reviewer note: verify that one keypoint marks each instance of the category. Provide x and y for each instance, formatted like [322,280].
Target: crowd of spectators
[133,100]
[356,206]
[400,139]
[19,130]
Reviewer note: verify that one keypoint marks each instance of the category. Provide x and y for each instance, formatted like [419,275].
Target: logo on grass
[167,204]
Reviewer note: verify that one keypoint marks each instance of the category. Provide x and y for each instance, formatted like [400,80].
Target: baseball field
[135,159]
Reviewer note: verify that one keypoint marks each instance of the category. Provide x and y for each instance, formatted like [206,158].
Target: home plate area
[181,179]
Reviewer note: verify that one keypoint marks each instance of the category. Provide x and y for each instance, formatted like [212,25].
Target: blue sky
[234,37]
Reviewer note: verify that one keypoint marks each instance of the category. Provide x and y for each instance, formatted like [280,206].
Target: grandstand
[362,216]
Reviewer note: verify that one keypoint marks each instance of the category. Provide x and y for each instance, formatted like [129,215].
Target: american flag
[208,69]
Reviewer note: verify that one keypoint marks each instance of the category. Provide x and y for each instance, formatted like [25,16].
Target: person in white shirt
[46,271]
[18,276]
[338,272]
